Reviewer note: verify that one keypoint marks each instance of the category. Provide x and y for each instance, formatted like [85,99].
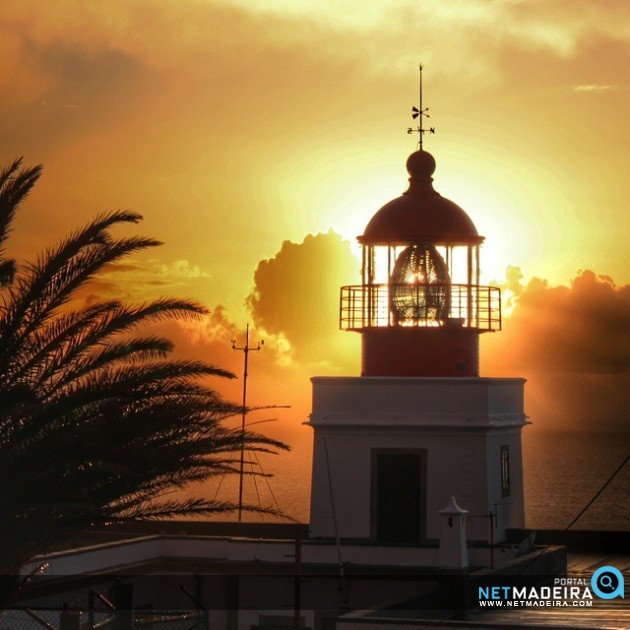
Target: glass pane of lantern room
[380,265]
[459,265]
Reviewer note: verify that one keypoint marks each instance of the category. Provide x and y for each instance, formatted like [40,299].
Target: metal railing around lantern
[420,305]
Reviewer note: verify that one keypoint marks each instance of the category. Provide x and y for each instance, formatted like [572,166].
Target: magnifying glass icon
[605,581]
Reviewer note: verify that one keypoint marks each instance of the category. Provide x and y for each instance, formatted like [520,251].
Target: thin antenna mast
[420,113]
[246,350]
[420,117]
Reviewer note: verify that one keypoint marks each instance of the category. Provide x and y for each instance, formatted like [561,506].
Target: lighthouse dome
[421,215]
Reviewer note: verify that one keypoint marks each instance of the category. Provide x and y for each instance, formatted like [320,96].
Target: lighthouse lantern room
[419,426]
[420,308]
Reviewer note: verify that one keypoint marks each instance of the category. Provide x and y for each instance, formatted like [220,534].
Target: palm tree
[96,424]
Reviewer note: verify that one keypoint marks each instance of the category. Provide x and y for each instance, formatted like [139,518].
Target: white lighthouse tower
[419,426]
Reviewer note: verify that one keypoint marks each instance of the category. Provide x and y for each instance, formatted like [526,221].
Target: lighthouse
[419,425]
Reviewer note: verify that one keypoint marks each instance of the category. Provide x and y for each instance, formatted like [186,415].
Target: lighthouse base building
[390,451]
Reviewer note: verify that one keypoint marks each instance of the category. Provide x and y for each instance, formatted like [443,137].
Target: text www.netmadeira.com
[534,597]
[533,603]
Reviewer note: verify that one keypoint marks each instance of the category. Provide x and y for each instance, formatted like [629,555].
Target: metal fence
[420,305]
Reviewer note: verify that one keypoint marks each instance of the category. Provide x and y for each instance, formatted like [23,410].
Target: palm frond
[189,507]
[7,271]
[40,293]
[132,350]
[15,185]
[52,349]
[50,282]
[53,340]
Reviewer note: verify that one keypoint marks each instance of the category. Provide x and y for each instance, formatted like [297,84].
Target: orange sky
[235,126]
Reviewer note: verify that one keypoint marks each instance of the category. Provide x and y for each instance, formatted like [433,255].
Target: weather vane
[420,113]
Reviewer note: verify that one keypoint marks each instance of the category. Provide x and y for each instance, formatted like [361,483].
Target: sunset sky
[258,138]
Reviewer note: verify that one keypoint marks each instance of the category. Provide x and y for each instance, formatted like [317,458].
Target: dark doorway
[398,495]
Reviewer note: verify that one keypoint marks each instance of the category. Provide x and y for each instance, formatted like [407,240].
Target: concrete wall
[417,401]
[461,423]
[139,551]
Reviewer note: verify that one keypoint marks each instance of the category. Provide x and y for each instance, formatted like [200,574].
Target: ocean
[564,471]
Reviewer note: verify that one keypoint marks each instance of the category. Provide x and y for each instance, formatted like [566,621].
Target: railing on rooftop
[421,306]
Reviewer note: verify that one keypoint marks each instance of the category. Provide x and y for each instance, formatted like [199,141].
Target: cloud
[183,269]
[572,343]
[578,329]
[41,53]
[296,295]
[477,25]
[140,281]
[594,87]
